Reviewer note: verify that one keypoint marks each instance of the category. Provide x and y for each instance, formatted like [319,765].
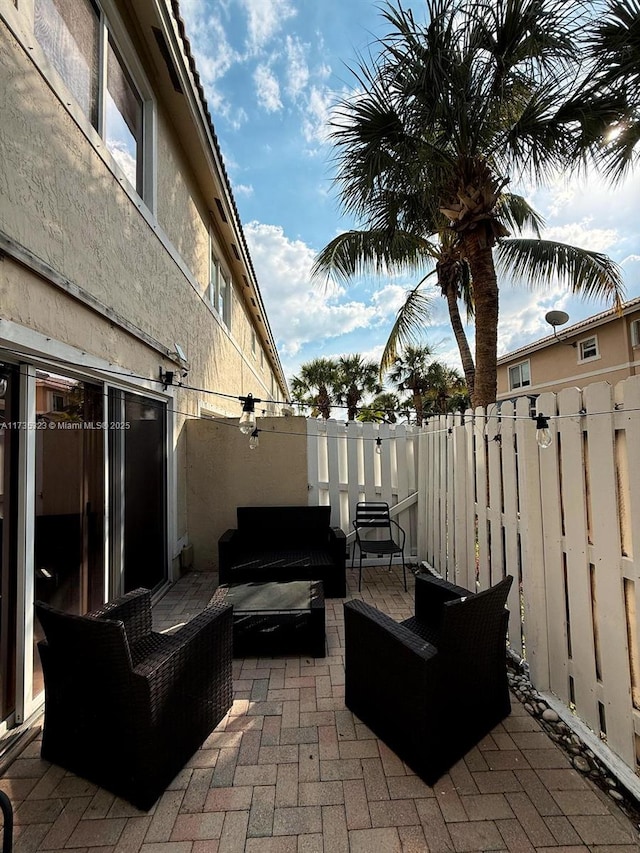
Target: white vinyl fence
[565,522]
[344,469]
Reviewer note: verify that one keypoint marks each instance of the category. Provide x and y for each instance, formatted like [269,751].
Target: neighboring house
[129,304]
[605,347]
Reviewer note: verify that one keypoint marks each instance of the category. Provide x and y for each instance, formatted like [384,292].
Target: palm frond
[380,252]
[516,212]
[541,262]
[411,319]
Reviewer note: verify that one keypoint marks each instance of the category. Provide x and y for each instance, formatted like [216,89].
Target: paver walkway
[291,770]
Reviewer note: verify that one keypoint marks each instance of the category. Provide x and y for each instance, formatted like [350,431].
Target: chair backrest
[372,514]
[477,621]
[92,647]
[285,526]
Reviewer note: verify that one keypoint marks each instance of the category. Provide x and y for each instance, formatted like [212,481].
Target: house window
[635,333]
[220,292]
[58,403]
[75,37]
[253,342]
[588,349]
[519,375]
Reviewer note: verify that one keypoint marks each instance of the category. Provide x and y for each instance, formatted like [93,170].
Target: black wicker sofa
[284,543]
[125,706]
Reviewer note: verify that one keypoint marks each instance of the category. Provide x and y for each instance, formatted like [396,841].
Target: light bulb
[254,441]
[543,433]
[378,445]
[247,422]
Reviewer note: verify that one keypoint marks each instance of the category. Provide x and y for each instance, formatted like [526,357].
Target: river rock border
[581,757]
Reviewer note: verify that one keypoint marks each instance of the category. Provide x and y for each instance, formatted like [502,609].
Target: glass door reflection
[69,512]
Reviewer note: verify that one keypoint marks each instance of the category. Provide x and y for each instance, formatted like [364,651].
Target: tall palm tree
[355,377]
[314,386]
[450,110]
[614,46]
[410,373]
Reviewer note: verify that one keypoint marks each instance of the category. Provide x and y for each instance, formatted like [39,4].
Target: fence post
[532,539]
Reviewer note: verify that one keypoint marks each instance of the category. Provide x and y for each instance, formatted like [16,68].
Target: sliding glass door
[137,450]
[69,566]
[9,438]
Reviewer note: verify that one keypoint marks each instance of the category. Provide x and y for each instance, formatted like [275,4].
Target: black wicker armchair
[433,686]
[126,707]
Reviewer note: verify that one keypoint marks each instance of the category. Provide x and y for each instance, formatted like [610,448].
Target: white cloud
[243,189]
[264,20]
[585,236]
[315,123]
[297,68]
[267,89]
[301,312]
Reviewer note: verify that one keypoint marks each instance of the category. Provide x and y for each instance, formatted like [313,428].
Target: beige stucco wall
[62,201]
[223,473]
[557,365]
[59,199]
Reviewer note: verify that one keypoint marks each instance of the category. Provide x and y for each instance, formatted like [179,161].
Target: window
[519,375]
[253,342]
[58,403]
[588,349]
[75,37]
[635,333]
[220,292]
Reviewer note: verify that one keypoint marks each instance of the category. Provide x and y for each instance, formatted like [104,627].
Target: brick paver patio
[291,770]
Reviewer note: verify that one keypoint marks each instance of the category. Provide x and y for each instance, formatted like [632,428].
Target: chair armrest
[338,545]
[387,668]
[400,530]
[431,594]
[227,548]
[133,610]
[201,646]
[383,632]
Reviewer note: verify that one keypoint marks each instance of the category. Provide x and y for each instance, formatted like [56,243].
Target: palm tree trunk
[485,291]
[417,405]
[461,339]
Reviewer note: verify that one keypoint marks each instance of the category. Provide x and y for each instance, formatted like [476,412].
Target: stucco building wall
[555,362]
[223,473]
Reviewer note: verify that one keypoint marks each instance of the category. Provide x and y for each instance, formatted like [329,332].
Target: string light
[378,445]
[247,422]
[543,433]
[254,441]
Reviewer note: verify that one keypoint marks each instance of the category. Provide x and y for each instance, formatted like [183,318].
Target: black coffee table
[272,618]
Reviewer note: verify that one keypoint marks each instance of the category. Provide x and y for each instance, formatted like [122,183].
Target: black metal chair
[7,816]
[434,685]
[125,706]
[374,516]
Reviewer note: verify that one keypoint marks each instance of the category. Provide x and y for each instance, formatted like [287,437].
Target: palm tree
[314,386]
[383,409]
[614,46]
[355,377]
[446,391]
[446,114]
[410,373]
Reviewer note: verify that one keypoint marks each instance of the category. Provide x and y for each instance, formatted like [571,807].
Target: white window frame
[111,26]
[582,345]
[635,332]
[254,343]
[519,366]
[220,289]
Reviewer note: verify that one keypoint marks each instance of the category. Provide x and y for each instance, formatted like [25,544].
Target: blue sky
[272,69]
